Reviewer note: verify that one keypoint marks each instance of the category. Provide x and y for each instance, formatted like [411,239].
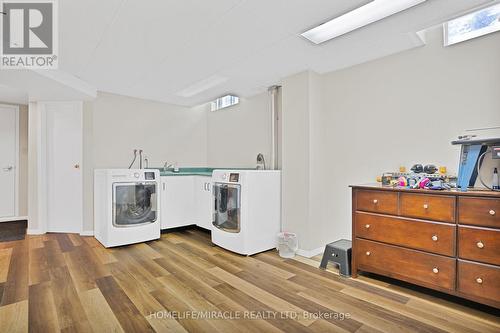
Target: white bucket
[287,244]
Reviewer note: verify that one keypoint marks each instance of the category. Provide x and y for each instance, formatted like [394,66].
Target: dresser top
[471,192]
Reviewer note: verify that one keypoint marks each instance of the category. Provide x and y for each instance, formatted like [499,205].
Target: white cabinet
[186,200]
[177,200]
[203,201]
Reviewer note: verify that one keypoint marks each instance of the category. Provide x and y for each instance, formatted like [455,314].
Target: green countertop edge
[190,171]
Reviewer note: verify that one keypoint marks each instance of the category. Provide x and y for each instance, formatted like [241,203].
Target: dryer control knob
[224,176]
[136,175]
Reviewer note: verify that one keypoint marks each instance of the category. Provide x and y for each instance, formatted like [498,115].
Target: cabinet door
[204,202]
[177,201]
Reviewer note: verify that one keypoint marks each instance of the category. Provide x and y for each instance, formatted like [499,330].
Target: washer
[126,206]
[247,212]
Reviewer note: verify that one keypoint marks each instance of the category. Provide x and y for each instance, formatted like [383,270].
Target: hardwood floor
[181,283]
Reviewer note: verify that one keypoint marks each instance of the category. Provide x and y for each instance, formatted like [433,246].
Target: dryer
[126,206]
[247,210]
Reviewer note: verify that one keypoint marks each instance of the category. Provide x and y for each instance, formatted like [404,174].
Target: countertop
[470,192]
[206,172]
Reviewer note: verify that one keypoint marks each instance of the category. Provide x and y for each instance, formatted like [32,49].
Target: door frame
[16,216]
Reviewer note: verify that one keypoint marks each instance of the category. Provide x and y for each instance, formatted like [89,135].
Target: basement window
[476,24]
[224,102]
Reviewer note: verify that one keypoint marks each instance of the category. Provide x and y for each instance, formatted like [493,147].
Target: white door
[64,171]
[8,159]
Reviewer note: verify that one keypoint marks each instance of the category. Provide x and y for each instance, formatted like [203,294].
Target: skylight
[479,23]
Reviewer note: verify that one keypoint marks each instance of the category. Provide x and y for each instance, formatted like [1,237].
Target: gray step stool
[338,252]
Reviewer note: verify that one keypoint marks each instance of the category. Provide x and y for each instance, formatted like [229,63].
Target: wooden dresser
[444,240]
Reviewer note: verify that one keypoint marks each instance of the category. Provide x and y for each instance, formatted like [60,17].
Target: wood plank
[272,301]
[173,263]
[4,263]
[92,242]
[258,307]
[84,267]
[146,304]
[289,292]
[64,242]
[38,266]
[35,241]
[252,325]
[201,281]
[200,305]
[104,256]
[14,318]
[125,311]
[142,276]
[430,319]
[53,254]
[68,306]
[102,318]
[367,313]
[167,248]
[249,264]
[16,284]
[76,240]
[42,309]
[174,304]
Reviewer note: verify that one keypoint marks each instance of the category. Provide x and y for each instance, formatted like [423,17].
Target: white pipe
[273,92]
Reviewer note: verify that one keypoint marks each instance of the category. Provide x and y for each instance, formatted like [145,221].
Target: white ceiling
[156,49]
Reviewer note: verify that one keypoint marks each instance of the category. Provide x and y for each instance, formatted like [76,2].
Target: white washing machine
[247,212]
[126,206]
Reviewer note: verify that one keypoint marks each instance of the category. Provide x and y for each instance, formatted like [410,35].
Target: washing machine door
[227,215]
[134,204]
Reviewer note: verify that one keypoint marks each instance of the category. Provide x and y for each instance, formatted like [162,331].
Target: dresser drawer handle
[434,238]
[480,245]
[375,201]
[479,280]
[368,253]
[426,206]
[435,270]
[492,212]
[367,226]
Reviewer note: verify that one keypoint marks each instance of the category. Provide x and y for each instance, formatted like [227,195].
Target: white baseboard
[13,218]
[87,233]
[35,232]
[310,253]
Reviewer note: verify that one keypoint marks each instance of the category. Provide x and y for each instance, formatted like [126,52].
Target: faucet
[167,166]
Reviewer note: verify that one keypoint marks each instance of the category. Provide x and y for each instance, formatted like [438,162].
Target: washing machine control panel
[234,177]
[226,176]
[149,175]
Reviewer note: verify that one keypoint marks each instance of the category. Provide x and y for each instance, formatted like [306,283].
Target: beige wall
[394,111]
[236,135]
[115,125]
[296,155]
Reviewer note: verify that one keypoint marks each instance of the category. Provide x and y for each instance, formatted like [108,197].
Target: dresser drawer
[427,236]
[405,264]
[377,201]
[428,206]
[479,211]
[479,280]
[479,244]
